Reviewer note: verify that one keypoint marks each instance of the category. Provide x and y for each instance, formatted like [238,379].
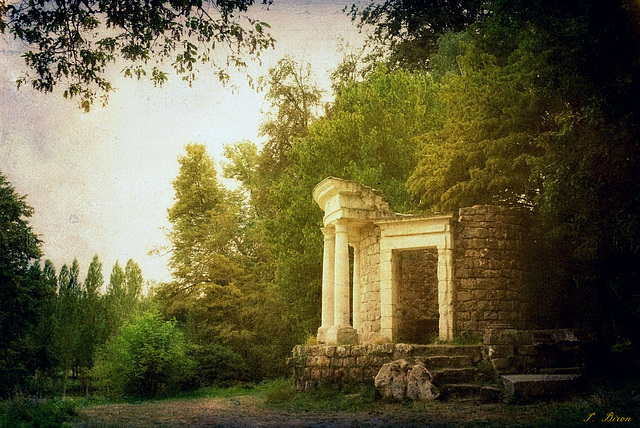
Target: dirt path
[247,411]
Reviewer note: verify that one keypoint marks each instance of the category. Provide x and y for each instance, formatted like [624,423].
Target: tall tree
[114,300]
[74,42]
[132,284]
[294,99]
[20,296]
[204,293]
[93,328]
[68,320]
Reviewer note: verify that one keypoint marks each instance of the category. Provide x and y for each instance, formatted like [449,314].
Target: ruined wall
[417,308]
[538,351]
[370,283]
[491,268]
[342,365]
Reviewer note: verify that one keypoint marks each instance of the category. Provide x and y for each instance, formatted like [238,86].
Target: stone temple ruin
[393,283]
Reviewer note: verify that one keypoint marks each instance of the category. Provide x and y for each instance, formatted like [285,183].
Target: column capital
[328,232]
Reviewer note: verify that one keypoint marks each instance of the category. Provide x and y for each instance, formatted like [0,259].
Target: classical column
[356,286]
[328,259]
[341,332]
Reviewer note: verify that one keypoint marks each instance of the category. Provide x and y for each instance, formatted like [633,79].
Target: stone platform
[453,367]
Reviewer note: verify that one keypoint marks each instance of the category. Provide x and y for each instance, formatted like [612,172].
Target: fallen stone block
[399,380]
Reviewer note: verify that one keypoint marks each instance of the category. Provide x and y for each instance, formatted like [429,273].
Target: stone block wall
[491,268]
[417,309]
[344,365]
[370,280]
[536,351]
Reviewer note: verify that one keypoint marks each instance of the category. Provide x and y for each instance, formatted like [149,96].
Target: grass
[458,340]
[281,394]
[275,399]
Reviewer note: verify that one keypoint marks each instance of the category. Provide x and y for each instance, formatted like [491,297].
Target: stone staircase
[456,372]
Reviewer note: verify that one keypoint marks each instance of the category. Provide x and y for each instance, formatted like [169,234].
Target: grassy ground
[276,404]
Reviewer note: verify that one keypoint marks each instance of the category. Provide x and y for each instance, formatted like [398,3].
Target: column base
[342,335]
[322,334]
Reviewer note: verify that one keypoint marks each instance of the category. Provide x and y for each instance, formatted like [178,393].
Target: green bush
[147,357]
[29,412]
[217,365]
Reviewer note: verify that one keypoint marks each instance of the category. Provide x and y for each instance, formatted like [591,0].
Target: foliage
[405,33]
[147,356]
[218,365]
[25,412]
[294,100]
[74,42]
[23,295]
[282,395]
[222,295]
[530,120]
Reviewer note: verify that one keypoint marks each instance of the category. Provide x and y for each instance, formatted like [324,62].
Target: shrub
[29,412]
[147,357]
[217,365]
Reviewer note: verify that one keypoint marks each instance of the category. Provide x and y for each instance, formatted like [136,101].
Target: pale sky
[100,183]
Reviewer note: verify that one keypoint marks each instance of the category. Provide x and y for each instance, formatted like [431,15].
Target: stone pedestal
[342,335]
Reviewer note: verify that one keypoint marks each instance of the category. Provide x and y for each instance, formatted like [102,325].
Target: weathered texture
[419,386]
[370,283]
[346,364]
[416,275]
[417,310]
[399,380]
[533,386]
[491,267]
[537,351]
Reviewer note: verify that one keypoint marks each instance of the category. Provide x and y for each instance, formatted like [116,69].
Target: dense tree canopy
[405,32]
[544,114]
[74,41]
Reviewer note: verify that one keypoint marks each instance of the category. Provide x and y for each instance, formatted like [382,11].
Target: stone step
[449,362]
[458,375]
[563,370]
[534,386]
[443,350]
[484,393]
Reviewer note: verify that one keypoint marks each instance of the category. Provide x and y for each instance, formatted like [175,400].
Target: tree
[114,300]
[530,122]
[23,293]
[405,33]
[75,41]
[294,98]
[93,322]
[132,285]
[204,293]
[68,317]
[203,224]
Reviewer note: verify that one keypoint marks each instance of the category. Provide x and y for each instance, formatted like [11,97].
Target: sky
[101,182]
